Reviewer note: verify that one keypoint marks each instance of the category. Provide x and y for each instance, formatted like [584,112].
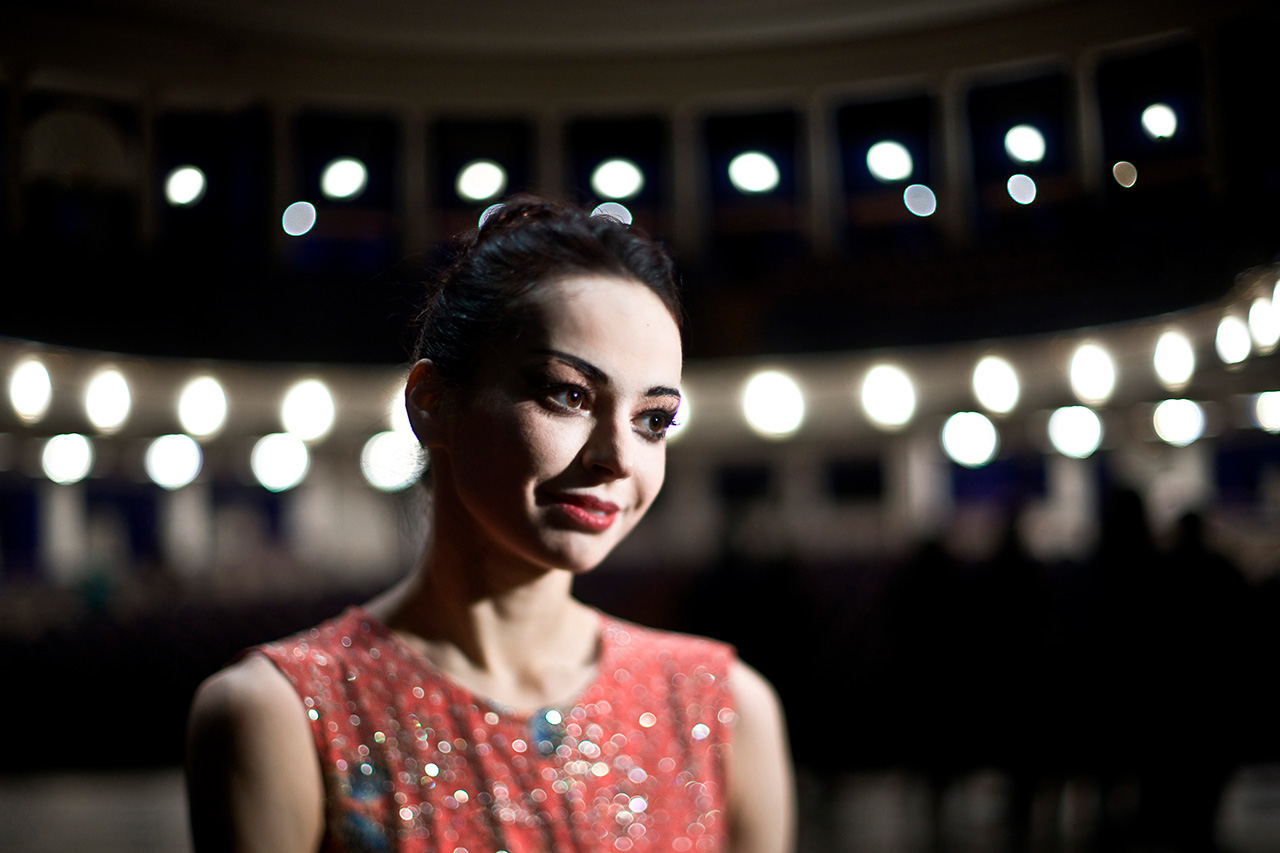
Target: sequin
[635,765]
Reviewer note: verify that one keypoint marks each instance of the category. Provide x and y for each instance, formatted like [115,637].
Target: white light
[1024,144]
[754,172]
[1265,409]
[1179,422]
[889,161]
[391,461]
[398,413]
[488,212]
[107,400]
[1264,324]
[202,406]
[1075,431]
[279,461]
[1093,374]
[1022,189]
[345,177]
[1232,341]
[970,439]
[888,396]
[920,200]
[1175,360]
[67,458]
[184,186]
[617,178]
[1159,121]
[480,180]
[995,384]
[298,218]
[1125,173]
[173,461]
[773,404]
[30,390]
[683,413]
[308,410]
[613,209]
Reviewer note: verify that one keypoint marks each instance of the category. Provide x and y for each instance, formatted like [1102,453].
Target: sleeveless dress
[414,762]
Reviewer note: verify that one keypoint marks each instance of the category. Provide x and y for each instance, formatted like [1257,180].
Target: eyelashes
[568,398]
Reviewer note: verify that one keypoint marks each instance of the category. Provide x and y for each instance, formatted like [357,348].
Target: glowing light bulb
[970,439]
[1075,431]
[617,178]
[480,180]
[773,404]
[392,461]
[889,161]
[67,458]
[888,396]
[1092,374]
[30,390]
[173,461]
[107,400]
[1233,340]
[279,461]
[995,384]
[202,406]
[754,172]
[1179,422]
[1159,121]
[1021,189]
[920,200]
[184,186]
[298,218]
[345,177]
[1174,359]
[308,410]
[1024,143]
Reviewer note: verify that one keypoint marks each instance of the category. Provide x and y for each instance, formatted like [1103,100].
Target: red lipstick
[585,512]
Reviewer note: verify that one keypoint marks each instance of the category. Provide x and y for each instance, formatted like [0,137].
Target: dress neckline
[408,653]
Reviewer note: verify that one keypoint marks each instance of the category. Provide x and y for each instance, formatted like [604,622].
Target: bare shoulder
[253,777]
[761,781]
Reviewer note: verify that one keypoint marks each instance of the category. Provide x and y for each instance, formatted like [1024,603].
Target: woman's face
[560,448]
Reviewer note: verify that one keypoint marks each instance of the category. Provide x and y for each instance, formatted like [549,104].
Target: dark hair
[481,297]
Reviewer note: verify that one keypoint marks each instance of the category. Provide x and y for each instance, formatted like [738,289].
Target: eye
[569,396]
[654,424]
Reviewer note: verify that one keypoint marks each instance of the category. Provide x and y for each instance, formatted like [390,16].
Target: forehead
[615,323]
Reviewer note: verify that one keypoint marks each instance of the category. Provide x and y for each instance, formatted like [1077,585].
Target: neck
[504,628]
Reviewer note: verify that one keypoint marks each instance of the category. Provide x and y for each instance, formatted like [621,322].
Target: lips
[585,512]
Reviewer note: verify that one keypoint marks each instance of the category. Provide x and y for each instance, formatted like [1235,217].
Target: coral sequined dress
[412,761]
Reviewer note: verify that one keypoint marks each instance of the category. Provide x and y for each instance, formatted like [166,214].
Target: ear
[424,397]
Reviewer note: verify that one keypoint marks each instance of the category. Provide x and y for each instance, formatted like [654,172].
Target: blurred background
[979,462]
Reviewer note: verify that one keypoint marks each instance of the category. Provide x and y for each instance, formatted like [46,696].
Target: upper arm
[253,777]
[761,785]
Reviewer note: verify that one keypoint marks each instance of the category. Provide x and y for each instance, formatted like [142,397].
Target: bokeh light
[1159,121]
[1174,360]
[773,404]
[480,180]
[995,384]
[392,461]
[67,458]
[30,390]
[398,412]
[1092,374]
[612,208]
[486,213]
[617,178]
[920,200]
[754,172]
[1024,143]
[1021,189]
[184,186]
[308,410]
[298,218]
[107,400]
[1179,422]
[345,177]
[1264,410]
[280,461]
[1125,173]
[1075,431]
[173,461]
[889,161]
[1232,341]
[970,439]
[888,396]
[683,414]
[202,406]
[1264,324]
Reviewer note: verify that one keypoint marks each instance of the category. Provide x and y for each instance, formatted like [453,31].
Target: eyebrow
[595,374]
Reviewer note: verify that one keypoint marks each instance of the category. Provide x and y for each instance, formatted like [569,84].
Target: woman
[477,706]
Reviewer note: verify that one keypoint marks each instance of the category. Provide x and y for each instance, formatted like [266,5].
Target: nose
[608,451]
